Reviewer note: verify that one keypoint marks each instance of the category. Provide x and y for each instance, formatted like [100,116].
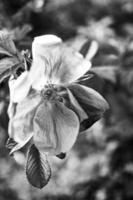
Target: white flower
[46,103]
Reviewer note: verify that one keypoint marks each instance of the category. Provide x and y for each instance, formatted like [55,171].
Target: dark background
[100,166]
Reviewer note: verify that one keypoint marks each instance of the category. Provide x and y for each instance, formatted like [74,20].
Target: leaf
[7,63]
[91,102]
[7,70]
[38,170]
[7,45]
[10,143]
[20,33]
[106,72]
[19,146]
[11,58]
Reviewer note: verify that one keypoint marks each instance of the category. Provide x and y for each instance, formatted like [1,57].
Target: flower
[47,105]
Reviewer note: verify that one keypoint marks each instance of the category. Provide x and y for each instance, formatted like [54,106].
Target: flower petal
[92,103]
[56,63]
[72,66]
[74,105]
[11,109]
[21,120]
[67,126]
[19,87]
[20,130]
[55,128]
[44,137]
[42,49]
[45,40]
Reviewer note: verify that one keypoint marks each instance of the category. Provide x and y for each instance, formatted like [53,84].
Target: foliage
[100,166]
[37,168]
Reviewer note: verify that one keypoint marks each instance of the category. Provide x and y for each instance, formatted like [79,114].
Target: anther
[60,99]
[48,92]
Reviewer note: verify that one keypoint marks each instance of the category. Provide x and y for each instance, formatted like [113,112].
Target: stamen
[60,99]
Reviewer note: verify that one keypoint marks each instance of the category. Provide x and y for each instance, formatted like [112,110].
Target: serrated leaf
[38,170]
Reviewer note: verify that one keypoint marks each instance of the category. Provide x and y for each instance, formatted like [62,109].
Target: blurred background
[100,165]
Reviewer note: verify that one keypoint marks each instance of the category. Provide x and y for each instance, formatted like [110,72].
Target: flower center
[51,93]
